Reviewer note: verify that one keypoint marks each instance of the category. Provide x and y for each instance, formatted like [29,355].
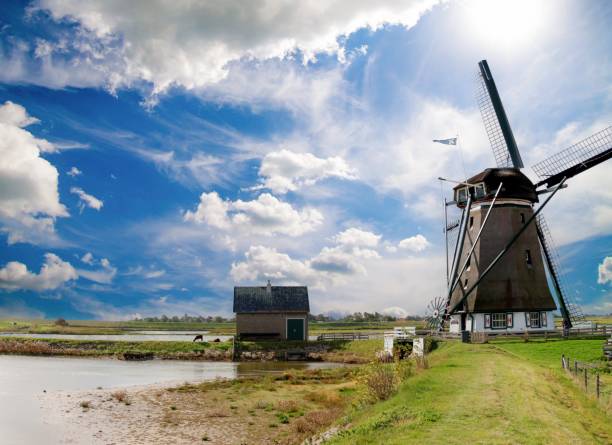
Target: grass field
[487,394]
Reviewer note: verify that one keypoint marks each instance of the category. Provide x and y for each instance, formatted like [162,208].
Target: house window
[487,320]
[522,218]
[509,319]
[543,319]
[534,319]
[528,257]
[499,321]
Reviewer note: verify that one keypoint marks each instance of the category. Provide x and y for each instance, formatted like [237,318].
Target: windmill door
[295,329]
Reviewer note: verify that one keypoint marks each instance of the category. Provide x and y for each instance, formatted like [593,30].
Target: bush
[382,381]
[85,404]
[119,396]
[61,322]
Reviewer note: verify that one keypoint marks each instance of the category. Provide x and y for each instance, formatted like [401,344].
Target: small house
[271,312]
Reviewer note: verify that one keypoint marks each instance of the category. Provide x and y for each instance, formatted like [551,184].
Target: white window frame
[543,320]
[477,187]
[487,321]
[499,320]
[287,326]
[535,317]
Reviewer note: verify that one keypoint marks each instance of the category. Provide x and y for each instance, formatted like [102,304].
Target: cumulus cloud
[103,275]
[395,311]
[330,265]
[285,170]
[53,273]
[88,258]
[74,172]
[415,244]
[193,44]
[265,215]
[29,198]
[86,200]
[605,271]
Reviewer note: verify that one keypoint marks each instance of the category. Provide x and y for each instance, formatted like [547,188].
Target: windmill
[503,251]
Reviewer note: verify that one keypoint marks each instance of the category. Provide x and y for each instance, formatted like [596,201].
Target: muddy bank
[334,351]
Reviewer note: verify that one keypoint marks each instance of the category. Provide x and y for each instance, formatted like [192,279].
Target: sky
[155,154]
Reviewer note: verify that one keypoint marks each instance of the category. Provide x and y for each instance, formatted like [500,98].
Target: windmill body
[515,295]
[504,260]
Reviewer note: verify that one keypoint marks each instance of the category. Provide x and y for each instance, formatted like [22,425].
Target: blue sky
[157,154]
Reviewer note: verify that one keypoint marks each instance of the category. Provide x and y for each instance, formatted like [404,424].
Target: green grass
[481,394]
[549,353]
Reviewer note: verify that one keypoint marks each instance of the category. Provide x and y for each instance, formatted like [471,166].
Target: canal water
[136,336]
[24,380]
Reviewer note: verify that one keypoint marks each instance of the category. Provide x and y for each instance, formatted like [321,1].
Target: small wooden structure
[271,312]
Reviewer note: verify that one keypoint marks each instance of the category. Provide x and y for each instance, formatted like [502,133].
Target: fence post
[575,367]
[563,360]
[585,380]
[597,384]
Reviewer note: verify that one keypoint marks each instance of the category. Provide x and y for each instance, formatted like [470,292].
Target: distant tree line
[361,317]
[185,319]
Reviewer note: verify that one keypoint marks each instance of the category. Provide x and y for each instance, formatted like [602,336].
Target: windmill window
[479,191]
[462,195]
[499,321]
[471,221]
[528,257]
[534,319]
[465,284]
[468,263]
[522,218]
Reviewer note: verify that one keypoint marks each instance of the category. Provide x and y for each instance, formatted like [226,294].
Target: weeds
[85,404]
[119,396]
[382,381]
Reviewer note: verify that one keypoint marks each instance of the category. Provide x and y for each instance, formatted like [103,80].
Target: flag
[451,141]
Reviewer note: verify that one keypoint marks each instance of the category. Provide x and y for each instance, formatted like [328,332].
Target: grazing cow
[198,337]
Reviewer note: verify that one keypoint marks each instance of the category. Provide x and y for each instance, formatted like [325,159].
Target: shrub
[61,322]
[119,396]
[85,404]
[315,420]
[382,381]
[282,418]
[287,406]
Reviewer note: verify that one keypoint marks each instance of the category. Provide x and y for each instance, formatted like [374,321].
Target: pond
[23,380]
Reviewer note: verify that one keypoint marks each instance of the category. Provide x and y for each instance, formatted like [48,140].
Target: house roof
[271,299]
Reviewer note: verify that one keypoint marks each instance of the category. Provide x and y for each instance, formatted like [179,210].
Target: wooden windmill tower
[503,250]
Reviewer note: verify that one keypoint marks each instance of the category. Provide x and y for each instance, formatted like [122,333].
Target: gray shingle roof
[280,299]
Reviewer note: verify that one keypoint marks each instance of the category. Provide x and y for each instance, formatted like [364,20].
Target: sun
[507,24]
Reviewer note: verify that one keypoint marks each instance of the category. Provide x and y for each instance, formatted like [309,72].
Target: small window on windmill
[471,221]
[462,195]
[522,218]
[528,258]
[468,264]
[465,284]
[479,191]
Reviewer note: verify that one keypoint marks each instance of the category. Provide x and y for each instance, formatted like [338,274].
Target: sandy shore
[223,413]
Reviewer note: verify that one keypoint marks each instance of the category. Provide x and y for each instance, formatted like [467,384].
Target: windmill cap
[515,184]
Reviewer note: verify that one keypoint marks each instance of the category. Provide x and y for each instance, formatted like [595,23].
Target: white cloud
[285,170]
[74,172]
[266,215]
[53,273]
[331,265]
[104,275]
[29,198]
[357,238]
[88,258]
[415,244]
[154,274]
[86,200]
[605,271]
[194,44]
[395,311]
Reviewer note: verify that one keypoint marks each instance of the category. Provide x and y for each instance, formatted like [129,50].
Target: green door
[295,329]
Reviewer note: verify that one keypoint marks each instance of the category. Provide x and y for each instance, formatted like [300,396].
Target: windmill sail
[570,311]
[575,159]
[495,120]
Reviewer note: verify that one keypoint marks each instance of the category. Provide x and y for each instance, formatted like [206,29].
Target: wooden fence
[588,376]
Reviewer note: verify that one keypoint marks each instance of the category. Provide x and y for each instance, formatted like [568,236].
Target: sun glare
[509,24]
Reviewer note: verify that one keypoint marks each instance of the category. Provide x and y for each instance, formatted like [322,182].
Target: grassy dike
[335,351]
[486,394]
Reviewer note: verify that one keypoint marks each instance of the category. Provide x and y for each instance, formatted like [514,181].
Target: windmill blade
[571,312]
[495,120]
[575,159]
